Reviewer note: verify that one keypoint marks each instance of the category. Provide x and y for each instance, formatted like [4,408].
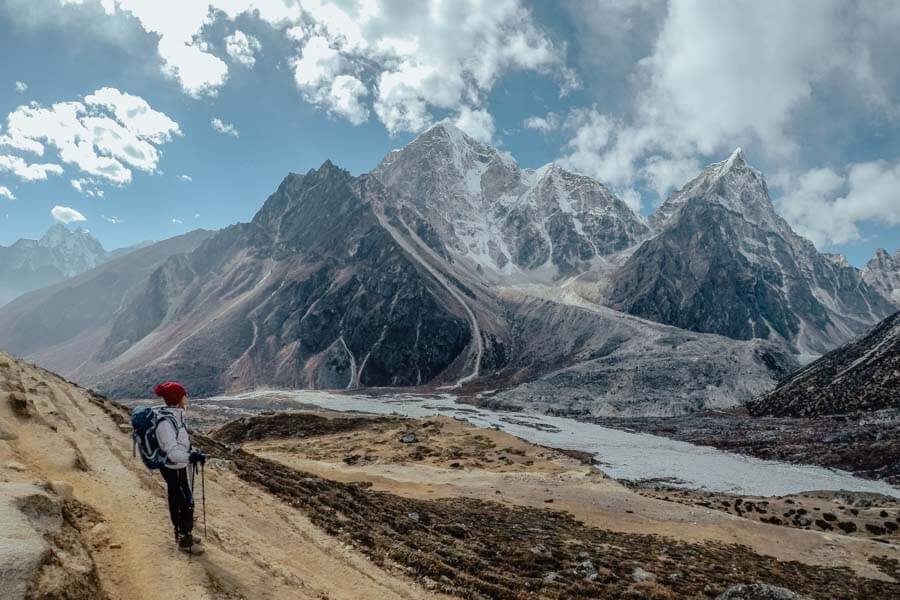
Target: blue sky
[640,94]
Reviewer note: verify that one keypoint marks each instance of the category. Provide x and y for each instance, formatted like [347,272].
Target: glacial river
[621,454]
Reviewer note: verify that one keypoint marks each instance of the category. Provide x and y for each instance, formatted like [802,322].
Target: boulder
[758,591]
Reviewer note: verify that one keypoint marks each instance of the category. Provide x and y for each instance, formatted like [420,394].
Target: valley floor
[867,445]
[317,505]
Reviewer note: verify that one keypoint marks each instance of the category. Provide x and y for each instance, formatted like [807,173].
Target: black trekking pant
[181,500]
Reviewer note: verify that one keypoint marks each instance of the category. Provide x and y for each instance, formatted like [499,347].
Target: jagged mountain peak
[883,273]
[475,202]
[838,259]
[731,183]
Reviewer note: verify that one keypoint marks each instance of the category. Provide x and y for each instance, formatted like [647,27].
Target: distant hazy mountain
[722,260]
[61,325]
[863,375]
[882,272]
[61,253]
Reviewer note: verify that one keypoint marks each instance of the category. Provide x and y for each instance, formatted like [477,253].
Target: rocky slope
[338,283]
[863,375]
[473,204]
[882,272]
[723,261]
[313,292]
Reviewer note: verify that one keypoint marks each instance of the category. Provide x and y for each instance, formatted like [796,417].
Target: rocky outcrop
[882,272]
[42,552]
[722,261]
[863,375]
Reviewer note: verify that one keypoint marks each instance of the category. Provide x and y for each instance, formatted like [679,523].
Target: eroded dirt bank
[95,522]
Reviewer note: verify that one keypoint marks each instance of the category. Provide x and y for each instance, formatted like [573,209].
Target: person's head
[173,393]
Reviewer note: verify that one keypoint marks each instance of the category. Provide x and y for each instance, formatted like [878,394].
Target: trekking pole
[203,493]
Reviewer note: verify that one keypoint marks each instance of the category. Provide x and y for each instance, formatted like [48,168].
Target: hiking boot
[190,545]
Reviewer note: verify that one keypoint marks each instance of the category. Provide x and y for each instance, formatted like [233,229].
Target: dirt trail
[257,547]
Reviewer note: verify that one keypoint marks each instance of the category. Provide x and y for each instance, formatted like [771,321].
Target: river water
[622,454]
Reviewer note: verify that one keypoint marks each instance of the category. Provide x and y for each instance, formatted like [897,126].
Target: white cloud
[177,222]
[420,56]
[179,26]
[6,193]
[827,207]
[187,178]
[410,58]
[225,128]
[64,214]
[87,186]
[477,122]
[28,172]
[135,114]
[105,136]
[242,48]
[748,70]
[21,87]
[546,124]
[113,220]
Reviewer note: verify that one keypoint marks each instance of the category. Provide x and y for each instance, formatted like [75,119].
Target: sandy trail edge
[257,546]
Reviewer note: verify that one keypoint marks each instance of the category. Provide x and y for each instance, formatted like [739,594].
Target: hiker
[175,445]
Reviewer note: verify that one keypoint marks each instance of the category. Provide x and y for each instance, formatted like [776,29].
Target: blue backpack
[144,421]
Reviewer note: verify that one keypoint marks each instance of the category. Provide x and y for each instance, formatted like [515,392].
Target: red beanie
[171,391]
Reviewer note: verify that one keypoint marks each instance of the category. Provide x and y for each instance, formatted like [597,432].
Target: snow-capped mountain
[722,260]
[60,253]
[473,204]
[328,288]
[882,272]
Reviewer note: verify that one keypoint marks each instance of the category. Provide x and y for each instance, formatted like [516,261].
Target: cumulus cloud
[477,122]
[6,193]
[827,207]
[225,128]
[402,60]
[546,124]
[64,214]
[187,178]
[87,186]
[28,172]
[104,136]
[242,48]
[742,78]
[135,114]
[21,87]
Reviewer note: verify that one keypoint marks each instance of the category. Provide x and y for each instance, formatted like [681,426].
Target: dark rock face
[724,262]
[863,375]
[312,293]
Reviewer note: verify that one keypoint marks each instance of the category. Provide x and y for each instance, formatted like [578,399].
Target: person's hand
[197,457]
